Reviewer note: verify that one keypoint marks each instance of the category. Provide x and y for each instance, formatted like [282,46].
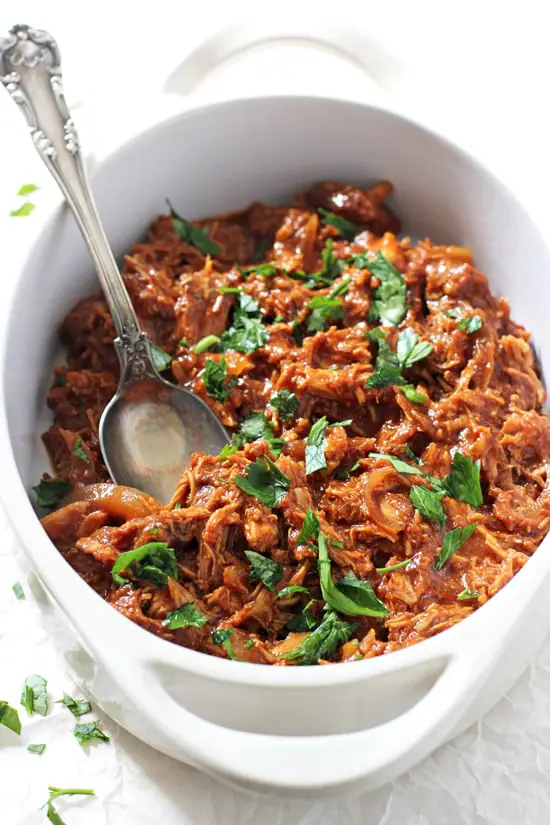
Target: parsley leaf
[36,748]
[351,596]
[470,325]
[188,615]
[315,447]
[346,228]
[24,210]
[9,718]
[223,637]
[78,707]
[266,270]
[324,640]
[398,464]
[310,528]
[387,369]
[191,234]
[34,696]
[290,590]
[452,542]
[79,451]
[428,503]
[161,359]
[413,395]
[27,189]
[254,428]
[304,620]
[389,303]
[52,814]
[217,382]
[467,594]
[347,471]
[247,332]
[18,591]
[452,313]
[411,349]
[154,561]
[286,404]
[382,570]
[409,453]
[50,491]
[264,481]
[463,482]
[205,343]
[264,569]
[87,732]
[323,309]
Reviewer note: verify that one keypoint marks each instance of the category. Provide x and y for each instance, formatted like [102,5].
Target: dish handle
[325,764]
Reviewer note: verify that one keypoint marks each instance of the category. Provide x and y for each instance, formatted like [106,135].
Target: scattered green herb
[256,427]
[452,313]
[323,641]
[303,621]
[411,349]
[78,707]
[467,594]
[87,732]
[286,404]
[247,332]
[50,491]
[291,590]
[216,379]
[55,793]
[9,717]
[428,503]
[264,569]
[154,561]
[463,482]
[205,343]
[249,643]
[347,471]
[23,210]
[28,189]
[264,481]
[409,453]
[310,528]
[36,748]
[346,228]
[78,450]
[413,395]
[398,464]
[34,696]
[183,342]
[199,238]
[223,637]
[351,596]
[470,325]
[382,570]
[452,542]
[161,359]
[265,270]
[18,591]
[315,447]
[389,304]
[186,616]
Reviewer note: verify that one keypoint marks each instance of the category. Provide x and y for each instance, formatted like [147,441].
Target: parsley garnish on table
[55,793]
[39,749]
[264,481]
[217,382]
[78,707]
[88,732]
[264,569]
[154,561]
[34,696]
[389,303]
[199,238]
[9,717]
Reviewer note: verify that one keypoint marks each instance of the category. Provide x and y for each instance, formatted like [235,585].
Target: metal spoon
[150,428]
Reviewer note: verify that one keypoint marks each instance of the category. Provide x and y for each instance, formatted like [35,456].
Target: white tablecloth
[480,73]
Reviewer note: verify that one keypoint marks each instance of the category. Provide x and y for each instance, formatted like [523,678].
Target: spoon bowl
[150,428]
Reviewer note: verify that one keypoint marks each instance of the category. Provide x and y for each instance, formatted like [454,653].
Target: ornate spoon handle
[30,69]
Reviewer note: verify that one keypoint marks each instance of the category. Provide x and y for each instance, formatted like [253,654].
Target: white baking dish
[301,730]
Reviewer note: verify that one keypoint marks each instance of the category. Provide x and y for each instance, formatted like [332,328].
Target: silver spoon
[150,428]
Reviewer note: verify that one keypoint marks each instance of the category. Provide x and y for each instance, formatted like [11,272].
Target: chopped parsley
[291,590]
[351,596]
[264,569]
[346,228]
[411,349]
[205,343]
[382,570]
[186,616]
[452,313]
[315,447]
[78,707]
[36,748]
[247,332]
[254,428]
[27,189]
[310,528]
[410,455]
[9,717]
[78,450]
[86,732]
[327,307]
[389,304]
[50,491]
[345,472]
[199,238]
[452,542]
[154,561]
[55,793]
[18,591]
[463,482]
[304,620]
[286,404]
[223,637]
[161,359]
[249,643]
[23,211]
[470,325]
[389,364]
[413,395]
[398,464]
[216,379]
[428,503]
[34,696]
[266,270]
[264,481]
[323,641]
[467,594]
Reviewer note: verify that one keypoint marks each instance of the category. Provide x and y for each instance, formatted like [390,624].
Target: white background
[479,71]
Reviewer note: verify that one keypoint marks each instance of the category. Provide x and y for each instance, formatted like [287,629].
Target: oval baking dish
[292,730]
